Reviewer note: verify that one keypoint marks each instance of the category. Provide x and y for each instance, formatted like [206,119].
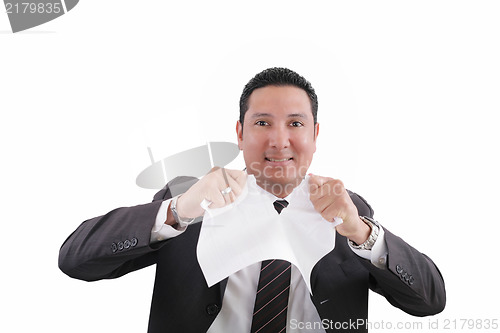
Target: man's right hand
[211,188]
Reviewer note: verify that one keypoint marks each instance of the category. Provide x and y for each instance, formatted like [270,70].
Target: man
[277,133]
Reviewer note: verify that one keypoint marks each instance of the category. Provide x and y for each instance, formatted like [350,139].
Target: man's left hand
[330,198]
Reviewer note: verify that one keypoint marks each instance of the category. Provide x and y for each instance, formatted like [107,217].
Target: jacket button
[212,309]
[411,280]
[399,269]
[126,244]
[114,248]
[133,242]
[120,246]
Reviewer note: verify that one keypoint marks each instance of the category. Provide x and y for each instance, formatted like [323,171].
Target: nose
[279,137]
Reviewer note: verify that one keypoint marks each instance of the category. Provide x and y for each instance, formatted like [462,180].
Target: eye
[296,124]
[261,123]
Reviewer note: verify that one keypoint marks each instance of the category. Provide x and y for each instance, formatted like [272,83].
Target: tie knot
[279,205]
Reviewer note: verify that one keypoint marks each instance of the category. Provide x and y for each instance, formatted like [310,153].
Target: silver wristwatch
[183,222]
[368,244]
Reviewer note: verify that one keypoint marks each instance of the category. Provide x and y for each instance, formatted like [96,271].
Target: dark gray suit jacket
[117,243]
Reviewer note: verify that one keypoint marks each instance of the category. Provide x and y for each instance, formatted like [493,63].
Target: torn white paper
[250,230]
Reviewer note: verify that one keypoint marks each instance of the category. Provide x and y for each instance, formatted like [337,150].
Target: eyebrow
[291,115]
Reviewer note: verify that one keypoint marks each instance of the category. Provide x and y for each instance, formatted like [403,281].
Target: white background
[408,92]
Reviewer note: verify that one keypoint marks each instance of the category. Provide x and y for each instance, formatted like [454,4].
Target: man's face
[278,137]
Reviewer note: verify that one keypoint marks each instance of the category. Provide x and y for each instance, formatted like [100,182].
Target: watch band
[368,244]
[183,222]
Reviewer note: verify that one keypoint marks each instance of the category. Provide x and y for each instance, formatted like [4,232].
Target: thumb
[315,182]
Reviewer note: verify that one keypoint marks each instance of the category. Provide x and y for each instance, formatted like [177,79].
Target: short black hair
[278,76]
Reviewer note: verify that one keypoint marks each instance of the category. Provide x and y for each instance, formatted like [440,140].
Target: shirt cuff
[378,254]
[162,231]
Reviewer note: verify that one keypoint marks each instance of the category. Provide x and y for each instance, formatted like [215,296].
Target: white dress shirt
[241,289]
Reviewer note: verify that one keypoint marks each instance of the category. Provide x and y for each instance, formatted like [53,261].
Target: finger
[224,174]
[215,168]
[329,211]
[221,180]
[216,199]
[236,180]
[318,186]
[323,205]
[236,189]
[318,180]
[225,192]
[316,183]
[239,176]
[313,183]
[227,195]
[332,187]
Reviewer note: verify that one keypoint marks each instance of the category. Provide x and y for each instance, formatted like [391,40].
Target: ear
[316,132]
[239,133]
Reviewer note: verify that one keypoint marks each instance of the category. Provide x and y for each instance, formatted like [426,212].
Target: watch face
[173,208]
[182,222]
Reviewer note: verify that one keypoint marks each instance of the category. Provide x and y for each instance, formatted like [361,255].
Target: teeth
[282,160]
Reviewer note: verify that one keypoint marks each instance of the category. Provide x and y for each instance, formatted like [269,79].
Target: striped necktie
[271,301]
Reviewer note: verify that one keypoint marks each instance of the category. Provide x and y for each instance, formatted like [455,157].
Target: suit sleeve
[411,282]
[118,242]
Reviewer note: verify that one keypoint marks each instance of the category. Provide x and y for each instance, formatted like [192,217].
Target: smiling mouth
[279,160]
